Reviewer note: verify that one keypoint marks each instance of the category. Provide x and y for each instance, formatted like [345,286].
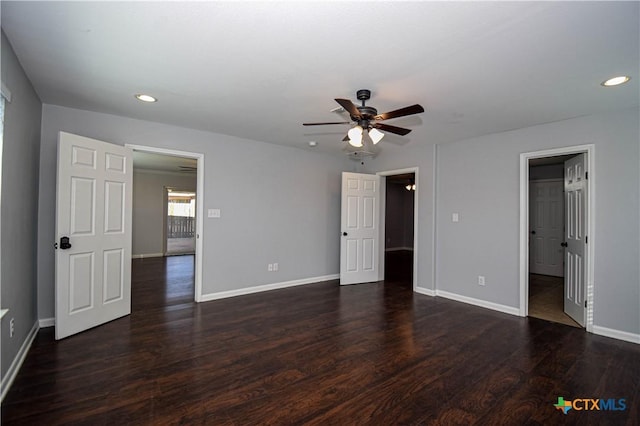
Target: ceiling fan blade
[322,124]
[349,107]
[410,110]
[391,129]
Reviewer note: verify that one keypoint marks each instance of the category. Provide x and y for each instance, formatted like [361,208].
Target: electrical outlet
[275,267]
[270,267]
[480,280]
[12,328]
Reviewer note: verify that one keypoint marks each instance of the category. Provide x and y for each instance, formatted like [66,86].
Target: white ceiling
[257,70]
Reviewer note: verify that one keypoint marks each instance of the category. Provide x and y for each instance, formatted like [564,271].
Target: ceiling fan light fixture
[616,81]
[355,136]
[375,135]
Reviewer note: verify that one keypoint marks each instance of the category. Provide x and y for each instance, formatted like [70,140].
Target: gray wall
[20,165]
[278,204]
[485,241]
[148,209]
[479,179]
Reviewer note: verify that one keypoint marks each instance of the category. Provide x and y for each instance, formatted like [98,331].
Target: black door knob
[344,234]
[533,232]
[564,244]
[64,243]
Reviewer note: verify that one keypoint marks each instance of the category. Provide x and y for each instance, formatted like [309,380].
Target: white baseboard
[616,334]
[399,249]
[12,372]
[266,287]
[47,322]
[479,302]
[425,291]
[144,256]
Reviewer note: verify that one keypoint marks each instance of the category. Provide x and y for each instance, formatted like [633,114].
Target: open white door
[93,231]
[360,233]
[575,189]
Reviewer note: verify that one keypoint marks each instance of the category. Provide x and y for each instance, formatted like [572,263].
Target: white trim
[416,204]
[434,223]
[616,334]
[12,372]
[479,302]
[47,322]
[146,255]
[267,287]
[6,93]
[425,291]
[524,224]
[198,296]
[398,249]
[3,312]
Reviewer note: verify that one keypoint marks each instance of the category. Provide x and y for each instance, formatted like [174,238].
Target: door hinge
[586,239]
[585,303]
[586,175]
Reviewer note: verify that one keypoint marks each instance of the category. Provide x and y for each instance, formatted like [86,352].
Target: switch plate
[455,217]
[480,280]
[270,267]
[214,213]
[275,267]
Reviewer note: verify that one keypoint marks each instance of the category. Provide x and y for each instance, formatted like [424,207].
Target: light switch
[213,213]
[455,217]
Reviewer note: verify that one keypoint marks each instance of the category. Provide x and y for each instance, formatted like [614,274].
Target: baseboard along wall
[12,372]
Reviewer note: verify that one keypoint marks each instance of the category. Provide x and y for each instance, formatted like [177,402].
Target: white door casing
[359,245]
[546,221]
[575,188]
[93,209]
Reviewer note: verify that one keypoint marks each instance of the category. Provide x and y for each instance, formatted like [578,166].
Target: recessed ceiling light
[145,98]
[615,81]
[313,143]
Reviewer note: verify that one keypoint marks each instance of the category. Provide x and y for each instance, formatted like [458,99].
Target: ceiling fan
[367,119]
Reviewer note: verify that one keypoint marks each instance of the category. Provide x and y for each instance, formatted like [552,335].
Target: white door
[360,234]
[546,222]
[575,189]
[93,210]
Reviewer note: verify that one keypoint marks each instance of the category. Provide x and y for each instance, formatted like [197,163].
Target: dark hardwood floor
[317,354]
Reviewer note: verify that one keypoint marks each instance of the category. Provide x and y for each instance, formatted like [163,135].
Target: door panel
[575,187]
[81,282]
[113,275]
[114,207]
[93,209]
[360,221]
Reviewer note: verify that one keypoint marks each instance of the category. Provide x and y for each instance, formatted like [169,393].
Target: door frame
[589,150]
[383,211]
[199,157]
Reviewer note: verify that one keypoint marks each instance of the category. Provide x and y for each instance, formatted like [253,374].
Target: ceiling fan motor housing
[367,115]
[363,94]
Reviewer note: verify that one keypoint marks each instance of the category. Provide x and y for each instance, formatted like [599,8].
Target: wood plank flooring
[318,354]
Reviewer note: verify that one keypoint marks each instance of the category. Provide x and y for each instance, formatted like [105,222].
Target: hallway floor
[546,299]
